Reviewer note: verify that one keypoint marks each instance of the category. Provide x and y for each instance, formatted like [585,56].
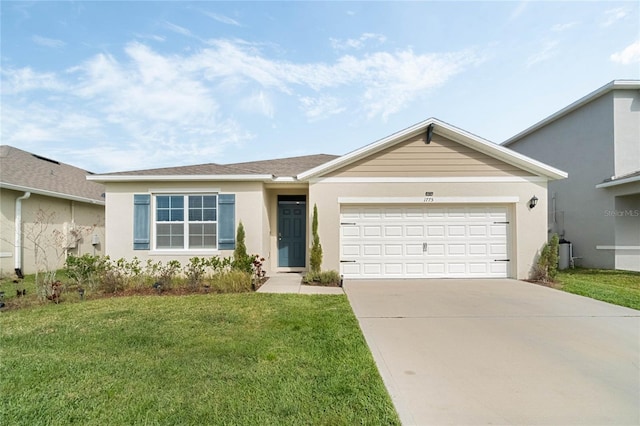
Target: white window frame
[185,222]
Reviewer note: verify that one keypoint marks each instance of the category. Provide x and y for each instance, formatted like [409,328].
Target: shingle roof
[291,166]
[23,170]
[278,167]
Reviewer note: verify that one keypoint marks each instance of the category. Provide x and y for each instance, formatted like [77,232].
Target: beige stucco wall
[251,209]
[528,227]
[46,221]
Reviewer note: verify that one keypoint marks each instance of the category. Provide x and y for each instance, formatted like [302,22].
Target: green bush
[546,268]
[86,270]
[315,257]
[241,260]
[322,278]
[233,281]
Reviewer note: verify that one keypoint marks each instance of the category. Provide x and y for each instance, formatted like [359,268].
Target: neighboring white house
[48,210]
[597,141]
[429,201]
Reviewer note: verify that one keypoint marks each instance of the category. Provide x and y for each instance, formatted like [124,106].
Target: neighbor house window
[186,222]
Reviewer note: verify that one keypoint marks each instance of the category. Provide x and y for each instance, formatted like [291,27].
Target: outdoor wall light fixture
[533,202]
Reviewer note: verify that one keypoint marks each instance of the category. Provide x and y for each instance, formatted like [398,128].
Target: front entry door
[292,213]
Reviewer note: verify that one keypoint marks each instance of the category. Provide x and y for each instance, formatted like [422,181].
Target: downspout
[18,229]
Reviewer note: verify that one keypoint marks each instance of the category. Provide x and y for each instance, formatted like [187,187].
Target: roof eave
[181,178]
[51,193]
[612,85]
[451,132]
[617,182]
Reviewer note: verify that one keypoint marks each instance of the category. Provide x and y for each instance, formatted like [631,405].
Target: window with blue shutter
[227,221]
[141,221]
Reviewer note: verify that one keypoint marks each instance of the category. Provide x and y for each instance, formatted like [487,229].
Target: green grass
[234,359]
[618,287]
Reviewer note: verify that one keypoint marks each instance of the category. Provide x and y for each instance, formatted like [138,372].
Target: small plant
[86,270]
[195,272]
[326,278]
[233,281]
[546,268]
[241,260]
[315,258]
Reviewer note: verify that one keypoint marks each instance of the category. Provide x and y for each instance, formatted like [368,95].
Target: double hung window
[186,222]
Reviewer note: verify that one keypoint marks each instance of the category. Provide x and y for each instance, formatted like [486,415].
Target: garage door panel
[457,250]
[424,241]
[393,231]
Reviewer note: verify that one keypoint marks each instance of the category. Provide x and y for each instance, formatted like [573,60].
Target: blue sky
[113,86]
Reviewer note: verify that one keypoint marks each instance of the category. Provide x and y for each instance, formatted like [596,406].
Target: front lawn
[234,359]
[618,287]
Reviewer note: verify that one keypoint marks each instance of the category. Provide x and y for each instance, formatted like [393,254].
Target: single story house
[48,210]
[597,141]
[428,201]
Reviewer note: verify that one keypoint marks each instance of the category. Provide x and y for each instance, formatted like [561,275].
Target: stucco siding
[626,105]
[48,223]
[527,226]
[250,208]
[442,157]
[580,143]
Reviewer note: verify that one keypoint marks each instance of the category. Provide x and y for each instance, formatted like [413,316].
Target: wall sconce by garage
[533,202]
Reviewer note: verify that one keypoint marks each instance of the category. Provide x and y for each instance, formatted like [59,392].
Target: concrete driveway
[469,352]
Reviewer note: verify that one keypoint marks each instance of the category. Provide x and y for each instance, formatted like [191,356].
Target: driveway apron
[470,352]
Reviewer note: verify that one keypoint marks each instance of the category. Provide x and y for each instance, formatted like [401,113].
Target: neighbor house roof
[620,180]
[613,85]
[23,171]
[267,170]
[453,133]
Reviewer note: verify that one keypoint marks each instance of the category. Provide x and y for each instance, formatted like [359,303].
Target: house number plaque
[428,197]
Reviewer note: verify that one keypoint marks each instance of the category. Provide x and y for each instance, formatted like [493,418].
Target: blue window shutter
[226,221]
[141,221]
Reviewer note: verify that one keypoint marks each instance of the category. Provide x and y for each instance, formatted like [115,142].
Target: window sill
[199,252]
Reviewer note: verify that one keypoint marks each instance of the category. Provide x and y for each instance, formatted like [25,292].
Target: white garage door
[424,241]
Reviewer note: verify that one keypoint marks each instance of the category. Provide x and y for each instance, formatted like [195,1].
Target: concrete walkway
[291,282]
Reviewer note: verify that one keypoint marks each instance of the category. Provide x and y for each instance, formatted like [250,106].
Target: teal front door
[292,225]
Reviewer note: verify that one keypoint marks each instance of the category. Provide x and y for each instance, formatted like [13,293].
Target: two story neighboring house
[597,141]
[48,210]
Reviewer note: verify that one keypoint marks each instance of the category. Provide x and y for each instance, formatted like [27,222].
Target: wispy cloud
[546,53]
[628,55]
[357,43]
[26,79]
[177,29]
[175,108]
[48,42]
[557,28]
[320,107]
[519,10]
[612,16]
[222,18]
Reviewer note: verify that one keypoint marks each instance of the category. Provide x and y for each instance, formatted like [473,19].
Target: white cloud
[612,16]
[519,10]
[26,79]
[320,107]
[222,18]
[628,55]
[258,103]
[178,29]
[149,109]
[563,27]
[546,53]
[48,42]
[357,43]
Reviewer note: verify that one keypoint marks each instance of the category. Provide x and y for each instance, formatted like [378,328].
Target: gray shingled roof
[23,170]
[291,166]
